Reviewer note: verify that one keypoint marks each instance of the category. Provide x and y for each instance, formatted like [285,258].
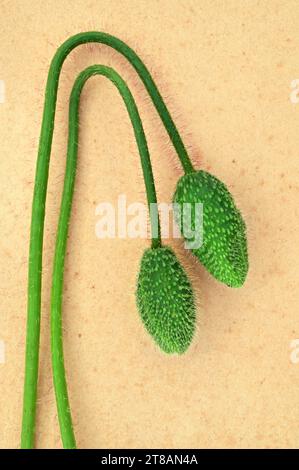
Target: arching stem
[39,201]
[60,385]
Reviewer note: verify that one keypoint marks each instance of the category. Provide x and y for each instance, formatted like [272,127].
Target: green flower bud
[223,250]
[165,300]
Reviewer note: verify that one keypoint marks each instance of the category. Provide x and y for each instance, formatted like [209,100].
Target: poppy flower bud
[165,300]
[223,248]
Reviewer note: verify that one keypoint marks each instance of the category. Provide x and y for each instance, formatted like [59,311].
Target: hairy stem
[60,385]
[39,201]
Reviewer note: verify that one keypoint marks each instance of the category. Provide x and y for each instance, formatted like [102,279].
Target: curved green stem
[39,200]
[60,385]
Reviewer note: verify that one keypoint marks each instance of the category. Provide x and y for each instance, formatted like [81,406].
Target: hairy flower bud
[223,250]
[165,300]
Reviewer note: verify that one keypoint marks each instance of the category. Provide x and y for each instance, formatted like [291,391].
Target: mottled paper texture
[227,71]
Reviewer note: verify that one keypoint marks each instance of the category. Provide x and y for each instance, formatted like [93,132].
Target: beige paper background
[225,69]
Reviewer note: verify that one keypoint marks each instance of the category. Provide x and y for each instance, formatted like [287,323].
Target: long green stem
[39,201]
[60,385]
